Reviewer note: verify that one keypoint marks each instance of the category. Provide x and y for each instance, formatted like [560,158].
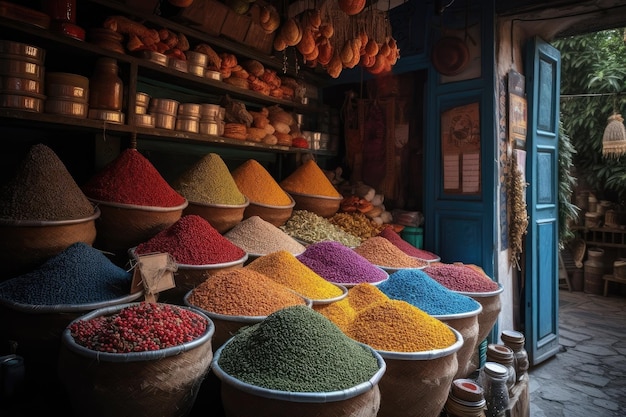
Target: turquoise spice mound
[297,349]
[417,288]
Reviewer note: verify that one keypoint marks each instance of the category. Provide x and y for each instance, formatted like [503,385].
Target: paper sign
[154,273]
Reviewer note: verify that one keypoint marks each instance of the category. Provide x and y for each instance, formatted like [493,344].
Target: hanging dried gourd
[518,216]
[351,7]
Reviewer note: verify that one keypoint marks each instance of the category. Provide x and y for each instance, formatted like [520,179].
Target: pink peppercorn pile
[139,328]
[460,277]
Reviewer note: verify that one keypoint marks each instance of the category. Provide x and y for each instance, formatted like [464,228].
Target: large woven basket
[276,215]
[487,318]
[467,325]
[323,206]
[161,383]
[491,309]
[417,384]
[222,217]
[26,245]
[37,330]
[241,399]
[123,226]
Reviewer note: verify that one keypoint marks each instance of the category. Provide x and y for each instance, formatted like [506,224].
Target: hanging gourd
[352,7]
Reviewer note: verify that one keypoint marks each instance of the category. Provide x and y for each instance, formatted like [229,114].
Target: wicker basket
[614,219]
[417,384]
[487,318]
[321,205]
[26,245]
[222,217]
[123,226]
[467,325]
[162,383]
[241,399]
[276,215]
[37,330]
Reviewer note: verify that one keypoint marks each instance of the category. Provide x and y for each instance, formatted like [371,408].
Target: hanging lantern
[614,138]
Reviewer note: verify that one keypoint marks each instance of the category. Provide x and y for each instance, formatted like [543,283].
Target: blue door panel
[460,231]
[545,177]
[547,267]
[541,266]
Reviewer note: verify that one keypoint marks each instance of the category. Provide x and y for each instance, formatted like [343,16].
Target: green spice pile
[311,228]
[209,181]
[297,349]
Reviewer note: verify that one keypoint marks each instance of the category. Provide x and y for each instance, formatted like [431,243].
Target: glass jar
[493,378]
[504,356]
[106,89]
[466,399]
[516,340]
[455,407]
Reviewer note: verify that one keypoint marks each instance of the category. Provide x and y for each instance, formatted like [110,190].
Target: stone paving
[587,378]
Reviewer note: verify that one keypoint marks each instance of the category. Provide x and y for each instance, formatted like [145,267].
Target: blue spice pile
[78,275]
[417,288]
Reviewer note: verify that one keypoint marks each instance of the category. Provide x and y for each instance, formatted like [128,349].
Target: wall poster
[518,110]
[460,149]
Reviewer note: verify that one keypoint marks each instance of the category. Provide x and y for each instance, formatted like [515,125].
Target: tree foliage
[567,182]
[593,86]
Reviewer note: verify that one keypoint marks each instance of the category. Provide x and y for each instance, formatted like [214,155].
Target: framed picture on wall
[460,149]
[518,110]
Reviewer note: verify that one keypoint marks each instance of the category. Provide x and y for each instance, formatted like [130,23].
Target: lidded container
[493,378]
[106,89]
[515,340]
[504,356]
[466,399]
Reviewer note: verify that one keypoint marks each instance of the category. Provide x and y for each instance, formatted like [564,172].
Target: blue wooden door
[541,267]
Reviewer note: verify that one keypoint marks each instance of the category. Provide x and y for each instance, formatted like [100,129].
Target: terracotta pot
[450,55]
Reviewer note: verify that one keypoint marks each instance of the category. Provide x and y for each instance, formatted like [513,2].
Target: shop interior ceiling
[558,18]
[583,16]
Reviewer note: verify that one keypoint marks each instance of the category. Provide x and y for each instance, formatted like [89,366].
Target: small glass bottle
[504,356]
[515,340]
[493,380]
[106,89]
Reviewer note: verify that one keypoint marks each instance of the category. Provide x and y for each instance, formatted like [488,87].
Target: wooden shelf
[602,236]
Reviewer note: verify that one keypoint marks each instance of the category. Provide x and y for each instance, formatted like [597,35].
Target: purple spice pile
[339,264]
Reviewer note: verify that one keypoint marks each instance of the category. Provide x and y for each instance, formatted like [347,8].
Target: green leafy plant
[593,86]
[567,182]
